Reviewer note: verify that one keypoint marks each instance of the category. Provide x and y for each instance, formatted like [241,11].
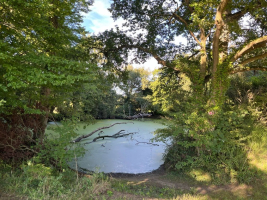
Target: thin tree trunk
[203,59]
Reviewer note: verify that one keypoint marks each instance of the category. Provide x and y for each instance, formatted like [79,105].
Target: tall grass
[40,182]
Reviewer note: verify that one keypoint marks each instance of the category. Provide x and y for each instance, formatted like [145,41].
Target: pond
[133,154]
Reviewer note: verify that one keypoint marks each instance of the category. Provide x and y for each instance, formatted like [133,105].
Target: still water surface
[124,154]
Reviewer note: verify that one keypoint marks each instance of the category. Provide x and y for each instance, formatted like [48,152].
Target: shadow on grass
[198,184]
[222,187]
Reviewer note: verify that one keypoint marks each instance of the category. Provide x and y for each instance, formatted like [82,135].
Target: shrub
[57,148]
[216,142]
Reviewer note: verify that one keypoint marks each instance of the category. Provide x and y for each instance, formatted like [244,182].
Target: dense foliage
[42,60]
[229,37]
[222,38]
[211,87]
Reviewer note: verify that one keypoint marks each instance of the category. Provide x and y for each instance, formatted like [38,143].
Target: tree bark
[258,43]
[219,22]
[203,58]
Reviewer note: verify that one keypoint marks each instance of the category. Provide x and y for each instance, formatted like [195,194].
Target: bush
[216,142]
[57,148]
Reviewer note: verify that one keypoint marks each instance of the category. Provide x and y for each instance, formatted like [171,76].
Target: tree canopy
[41,49]
[218,38]
[42,59]
[221,37]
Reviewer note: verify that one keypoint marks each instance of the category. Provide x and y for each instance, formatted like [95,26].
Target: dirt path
[161,179]
[8,196]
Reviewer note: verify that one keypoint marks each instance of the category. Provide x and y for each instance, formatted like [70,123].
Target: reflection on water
[124,154]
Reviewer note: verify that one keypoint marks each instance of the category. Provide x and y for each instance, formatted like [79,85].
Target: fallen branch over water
[113,136]
[88,135]
[146,143]
[116,135]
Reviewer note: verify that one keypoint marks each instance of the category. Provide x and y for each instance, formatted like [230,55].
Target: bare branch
[174,12]
[105,127]
[187,2]
[179,18]
[197,52]
[157,57]
[249,60]
[247,69]
[258,43]
[146,143]
[236,16]
[116,135]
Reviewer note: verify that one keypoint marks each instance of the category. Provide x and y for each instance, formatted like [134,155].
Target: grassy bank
[35,181]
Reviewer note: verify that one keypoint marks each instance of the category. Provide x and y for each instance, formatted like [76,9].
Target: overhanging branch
[258,43]
[236,16]
[187,2]
[179,18]
[237,70]
[146,50]
[249,60]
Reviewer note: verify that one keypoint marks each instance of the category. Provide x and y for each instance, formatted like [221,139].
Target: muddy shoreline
[160,170]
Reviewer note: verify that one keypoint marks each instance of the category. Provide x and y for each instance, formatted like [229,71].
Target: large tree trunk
[46,91]
[217,86]
[45,107]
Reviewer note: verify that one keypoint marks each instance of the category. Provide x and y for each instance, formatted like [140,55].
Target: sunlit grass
[191,197]
[260,162]
[200,176]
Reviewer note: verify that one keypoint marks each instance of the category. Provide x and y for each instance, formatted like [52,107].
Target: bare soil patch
[159,178]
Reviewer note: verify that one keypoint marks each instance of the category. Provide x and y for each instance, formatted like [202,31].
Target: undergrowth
[206,162]
[36,181]
[216,142]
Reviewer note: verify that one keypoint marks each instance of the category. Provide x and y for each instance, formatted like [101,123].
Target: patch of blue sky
[88,24]
[94,21]
[99,19]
